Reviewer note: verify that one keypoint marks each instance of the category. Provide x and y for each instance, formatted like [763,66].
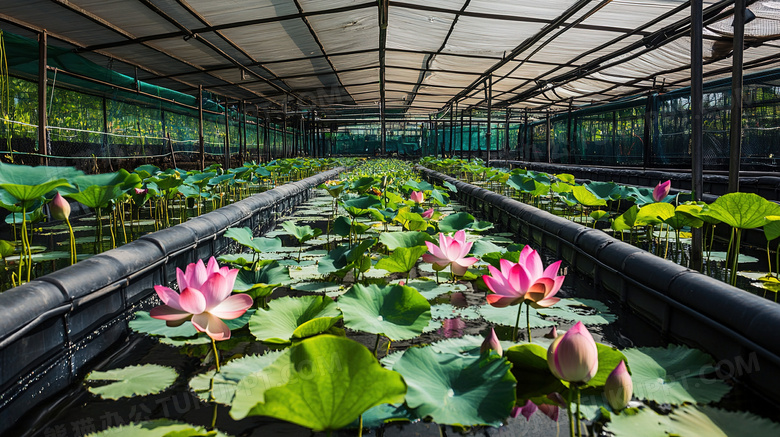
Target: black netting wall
[652,131]
[113,120]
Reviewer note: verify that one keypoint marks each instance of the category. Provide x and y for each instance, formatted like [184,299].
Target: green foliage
[294,318]
[402,259]
[244,237]
[395,311]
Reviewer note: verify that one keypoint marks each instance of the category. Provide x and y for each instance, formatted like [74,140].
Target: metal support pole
[244,150]
[735,155]
[257,129]
[647,131]
[267,137]
[489,91]
[201,140]
[697,94]
[383,120]
[506,134]
[43,137]
[525,136]
[452,129]
[105,131]
[470,115]
[227,138]
[548,138]
[461,135]
[284,133]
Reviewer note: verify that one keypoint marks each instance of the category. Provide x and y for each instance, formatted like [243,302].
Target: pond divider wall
[737,328]
[53,326]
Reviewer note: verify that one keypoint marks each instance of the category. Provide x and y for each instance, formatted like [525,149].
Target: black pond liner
[53,326]
[736,327]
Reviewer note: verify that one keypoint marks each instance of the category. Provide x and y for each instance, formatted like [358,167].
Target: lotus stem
[216,353]
[577,419]
[376,345]
[23,252]
[214,417]
[360,426]
[528,320]
[568,413]
[72,238]
[517,323]
[736,257]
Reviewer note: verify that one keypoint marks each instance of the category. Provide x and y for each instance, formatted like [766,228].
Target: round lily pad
[508,316]
[223,387]
[131,381]
[289,318]
[395,311]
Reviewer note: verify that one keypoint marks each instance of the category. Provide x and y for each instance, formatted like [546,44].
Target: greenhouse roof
[416,57]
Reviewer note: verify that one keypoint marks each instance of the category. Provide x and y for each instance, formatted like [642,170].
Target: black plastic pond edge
[736,327]
[52,327]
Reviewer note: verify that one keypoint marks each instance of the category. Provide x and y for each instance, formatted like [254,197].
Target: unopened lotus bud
[60,208]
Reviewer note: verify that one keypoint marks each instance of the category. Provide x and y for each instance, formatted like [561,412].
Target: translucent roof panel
[432,55]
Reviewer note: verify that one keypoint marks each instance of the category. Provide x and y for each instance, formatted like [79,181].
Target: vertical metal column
[43,122]
[525,136]
[696,122]
[647,132]
[267,136]
[460,155]
[452,129]
[470,115]
[735,143]
[227,138]
[244,135]
[506,134]
[201,140]
[105,131]
[569,133]
[284,132]
[548,138]
[257,129]
[489,91]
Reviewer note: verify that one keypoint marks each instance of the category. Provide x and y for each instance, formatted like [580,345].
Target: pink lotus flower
[60,208]
[451,252]
[530,408]
[492,343]
[205,299]
[661,190]
[526,280]
[573,356]
[619,387]
[417,197]
[427,214]
[140,191]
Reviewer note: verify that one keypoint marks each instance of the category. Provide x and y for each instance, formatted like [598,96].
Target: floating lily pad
[184,334]
[457,390]
[131,381]
[721,256]
[305,273]
[395,311]
[508,316]
[447,311]
[223,387]
[587,311]
[673,375]
[289,318]
[691,420]
[430,289]
[158,428]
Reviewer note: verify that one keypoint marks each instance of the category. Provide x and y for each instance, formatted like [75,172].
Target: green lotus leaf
[323,383]
[682,220]
[534,379]
[395,311]
[97,196]
[587,311]
[674,375]
[301,233]
[122,178]
[237,259]
[278,323]
[604,190]
[450,187]
[27,184]
[772,227]
[411,221]
[343,226]
[377,416]
[566,177]
[131,381]
[343,256]
[158,428]
[561,187]
[244,237]
[640,195]
[146,170]
[402,259]
[586,197]
[261,283]
[440,198]
[7,248]
[466,345]
[494,258]
[430,289]
[221,387]
[654,213]
[456,222]
[394,240]
[691,421]
[362,184]
[359,206]
[457,390]
[598,214]
[741,210]
[508,316]
[627,220]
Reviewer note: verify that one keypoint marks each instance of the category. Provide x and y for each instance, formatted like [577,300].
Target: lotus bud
[417,197]
[573,356]
[427,214]
[619,387]
[661,190]
[140,191]
[491,343]
[60,208]
[552,334]
[526,410]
